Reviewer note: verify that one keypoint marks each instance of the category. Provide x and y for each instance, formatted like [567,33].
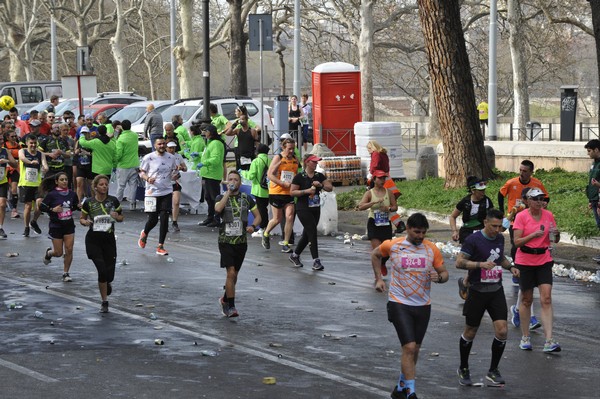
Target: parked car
[71,104]
[108,109]
[22,108]
[31,92]
[136,114]
[117,98]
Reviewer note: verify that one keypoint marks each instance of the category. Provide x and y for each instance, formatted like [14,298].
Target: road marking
[26,371]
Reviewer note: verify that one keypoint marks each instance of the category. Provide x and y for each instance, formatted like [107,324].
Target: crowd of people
[69,167]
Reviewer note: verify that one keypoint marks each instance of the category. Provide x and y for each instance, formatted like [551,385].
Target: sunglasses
[538,198]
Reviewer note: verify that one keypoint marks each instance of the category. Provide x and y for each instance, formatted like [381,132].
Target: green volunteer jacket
[127,150]
[103,156]
[196,144]
[255,173]
[212,159]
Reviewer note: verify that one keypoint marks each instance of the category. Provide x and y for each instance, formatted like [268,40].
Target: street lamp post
[492,78]
[53,73]
[297,49]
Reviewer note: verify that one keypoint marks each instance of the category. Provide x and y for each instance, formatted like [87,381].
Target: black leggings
[153,221]
[101,248]
[262,204]
[212,189]
[309,219]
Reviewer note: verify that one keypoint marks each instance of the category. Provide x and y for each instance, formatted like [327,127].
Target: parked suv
[112,97]
[192,109]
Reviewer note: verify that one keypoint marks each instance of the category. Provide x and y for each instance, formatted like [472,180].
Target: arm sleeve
[501,201]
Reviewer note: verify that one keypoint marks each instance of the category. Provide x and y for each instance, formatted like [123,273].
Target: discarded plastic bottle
[152,316]
[38,315]
[207,352]
[170,260]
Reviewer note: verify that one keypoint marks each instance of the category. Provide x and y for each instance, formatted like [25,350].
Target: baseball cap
[171,144]
[89,116]
[84,129]
[313,158]
[535,192]
[35,122]
[285,136]
[380,173]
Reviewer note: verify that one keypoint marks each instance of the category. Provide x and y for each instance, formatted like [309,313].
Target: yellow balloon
[6,103]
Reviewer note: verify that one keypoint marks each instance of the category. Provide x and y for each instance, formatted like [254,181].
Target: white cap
[534,192]
[285,136]
[171,144]
[84,129]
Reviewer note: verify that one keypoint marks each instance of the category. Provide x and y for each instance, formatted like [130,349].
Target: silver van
[31,92]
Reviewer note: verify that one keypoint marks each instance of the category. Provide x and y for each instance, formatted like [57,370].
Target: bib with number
[234,228]
[287,176]
[381,218]
[2,172]
[84,159]
[102,223]
[314,201]
[414,263]
[66,214]
[491,276]
[245,161]
[31,175]
[149,204]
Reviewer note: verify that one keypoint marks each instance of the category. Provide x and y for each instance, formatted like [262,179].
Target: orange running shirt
[286,172]
[512,190]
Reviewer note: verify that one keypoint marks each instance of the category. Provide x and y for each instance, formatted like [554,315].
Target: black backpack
[264,179]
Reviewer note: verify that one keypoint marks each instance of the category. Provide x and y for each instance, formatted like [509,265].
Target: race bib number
[245,161]
[102,223]
[31,175]
[287,176]
[314,201]
[149,204]
[66,214]
[491,276]
[2,172]
[84,160]
[234,228]
[381,218]
[414,263]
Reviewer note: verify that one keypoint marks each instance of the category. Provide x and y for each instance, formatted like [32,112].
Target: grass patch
[568,201]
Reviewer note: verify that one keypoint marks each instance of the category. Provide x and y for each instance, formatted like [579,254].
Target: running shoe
[464,377]
[3,235]
[214,223]
[551,346]
[257,233]
[515,319]
[515,280]
[108,289]
[534,324]
[463,290]
[495,378]
[526,343]
[398,394]
[26,232]
[286,249]
[160,250]
[67,278]
[142,240]
[14,214]
[205,222]
[47,259]
[412,396]
[266,242]
[176,227]
[295,259]
[104,307]
[224,307]
[317,266]
[232,312]
[34,225]
[401,227]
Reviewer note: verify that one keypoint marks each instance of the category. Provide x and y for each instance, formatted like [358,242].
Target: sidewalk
[565,252]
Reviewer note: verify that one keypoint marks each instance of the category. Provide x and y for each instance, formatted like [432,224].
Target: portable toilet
[336,106]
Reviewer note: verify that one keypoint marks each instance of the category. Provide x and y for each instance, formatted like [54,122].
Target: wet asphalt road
[320,334]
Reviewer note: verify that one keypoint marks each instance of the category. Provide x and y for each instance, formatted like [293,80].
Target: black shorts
[533,276]
[13,176]
[164,204]
[58,233]
[381,233]
[478,302]
[232,255]
[410,321]
[280,201]
[85,171]
[28,194]
[176,187]
[4,190]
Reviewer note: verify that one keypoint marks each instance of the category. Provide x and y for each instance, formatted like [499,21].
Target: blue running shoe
[534,324]
[551,346]
[526,344]
[515,319]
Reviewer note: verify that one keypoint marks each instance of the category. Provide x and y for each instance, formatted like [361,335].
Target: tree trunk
[117,48]
[595,4]
[450,74]
[184,54]
[237,46]
[280,50]
[365,50]
[520,80]
[434,124]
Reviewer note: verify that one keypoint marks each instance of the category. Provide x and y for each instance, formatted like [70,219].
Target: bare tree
[186,52]
[116,41]
[519,66]
[452,86]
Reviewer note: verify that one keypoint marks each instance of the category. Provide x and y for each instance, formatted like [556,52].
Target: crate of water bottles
[344,170]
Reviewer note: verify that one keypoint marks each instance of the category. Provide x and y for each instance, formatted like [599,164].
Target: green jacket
[182,135]
[212,159]
[219,121]
[196,144]
[255,173]
[103,156]
[127,150]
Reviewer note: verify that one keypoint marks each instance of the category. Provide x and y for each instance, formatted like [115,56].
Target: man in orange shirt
[415,263]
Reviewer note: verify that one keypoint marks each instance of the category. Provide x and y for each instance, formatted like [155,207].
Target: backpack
[264,179]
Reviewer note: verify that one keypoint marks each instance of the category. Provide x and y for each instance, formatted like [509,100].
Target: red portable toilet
[336,106]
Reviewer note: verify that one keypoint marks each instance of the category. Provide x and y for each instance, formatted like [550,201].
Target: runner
[6,160]
[158,169]
[482,255]
[12,144]
[415,262]
[59,203]
[99,213]
[233,207]
[32,164]
[307,186]
[181,166]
